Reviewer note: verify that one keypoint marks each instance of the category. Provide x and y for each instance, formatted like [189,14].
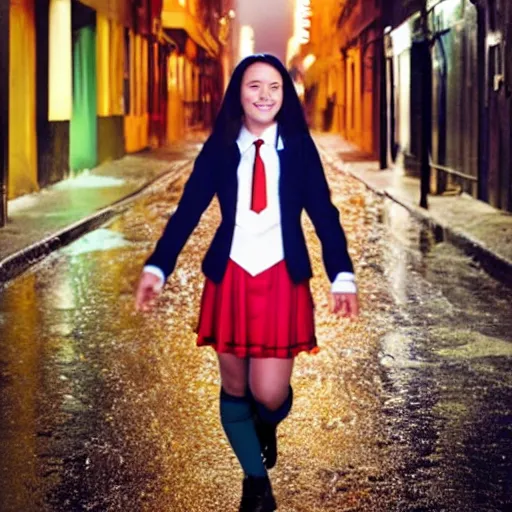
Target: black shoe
[267,435]
[257,495]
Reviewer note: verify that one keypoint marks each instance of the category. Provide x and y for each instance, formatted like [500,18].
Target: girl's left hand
[345,304]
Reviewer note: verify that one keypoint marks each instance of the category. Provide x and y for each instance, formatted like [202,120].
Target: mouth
[264,108]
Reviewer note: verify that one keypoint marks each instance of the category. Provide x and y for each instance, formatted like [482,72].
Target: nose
[264,93]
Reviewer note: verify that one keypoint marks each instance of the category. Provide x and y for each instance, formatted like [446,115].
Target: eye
[253,86]
[275,87]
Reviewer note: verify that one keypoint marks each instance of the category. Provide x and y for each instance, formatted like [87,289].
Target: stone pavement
[477,228]
[42,222]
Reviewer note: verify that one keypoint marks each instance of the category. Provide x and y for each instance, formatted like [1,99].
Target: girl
[256,308]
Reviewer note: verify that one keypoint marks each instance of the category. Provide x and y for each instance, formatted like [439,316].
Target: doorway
[83,143]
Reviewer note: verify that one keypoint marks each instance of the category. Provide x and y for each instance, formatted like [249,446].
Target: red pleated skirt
[267,315]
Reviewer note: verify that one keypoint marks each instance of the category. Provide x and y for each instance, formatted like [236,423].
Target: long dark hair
[229,120]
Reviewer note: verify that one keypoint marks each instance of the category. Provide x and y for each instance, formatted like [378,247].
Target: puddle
[86,180]
[478,345]
[99,240]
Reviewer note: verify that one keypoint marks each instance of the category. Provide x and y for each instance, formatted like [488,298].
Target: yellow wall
[136,121]
[362,118]
[22,100]
[327,71]
[110,66]
[117,69]
[103,65]
[354,106]
[369,93]
[175,111]
[339,76]
[358,125]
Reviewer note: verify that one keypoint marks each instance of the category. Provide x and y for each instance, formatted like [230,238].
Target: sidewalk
[43,222]
[477,228]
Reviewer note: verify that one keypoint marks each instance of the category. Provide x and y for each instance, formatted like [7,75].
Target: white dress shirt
[257,240]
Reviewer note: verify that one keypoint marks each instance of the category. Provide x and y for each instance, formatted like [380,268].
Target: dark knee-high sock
[238,423]
[274,417]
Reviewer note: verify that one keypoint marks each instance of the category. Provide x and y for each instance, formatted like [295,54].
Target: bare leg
[233,374]
[269,380]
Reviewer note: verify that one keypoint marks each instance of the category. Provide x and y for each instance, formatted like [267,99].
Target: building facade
[195,68]
[468,87]
[77,83]
[91,80]
[323,78]
[361,45]
[4,108]
[424,85]
[343,84]
[495,102]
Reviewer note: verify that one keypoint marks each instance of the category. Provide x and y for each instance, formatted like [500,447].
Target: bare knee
[233,373]
[269,380]
[234,387]
[271,398]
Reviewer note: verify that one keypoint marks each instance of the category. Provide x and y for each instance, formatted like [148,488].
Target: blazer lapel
[287,176]
[228,184]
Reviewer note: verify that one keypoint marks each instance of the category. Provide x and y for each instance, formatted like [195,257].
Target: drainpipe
[483,101]
[383,89]
[4,109]
[426,109]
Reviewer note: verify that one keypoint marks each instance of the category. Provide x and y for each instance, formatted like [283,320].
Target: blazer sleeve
[324,214]
[197,195]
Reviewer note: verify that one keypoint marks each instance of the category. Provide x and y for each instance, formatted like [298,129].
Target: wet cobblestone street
[408,409]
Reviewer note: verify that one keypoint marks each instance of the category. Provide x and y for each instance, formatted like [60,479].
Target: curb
[16,263]
[495,265]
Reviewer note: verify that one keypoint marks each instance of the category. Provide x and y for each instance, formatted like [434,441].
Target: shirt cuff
[152,269]
[344,283]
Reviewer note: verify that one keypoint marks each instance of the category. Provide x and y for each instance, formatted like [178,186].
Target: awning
[180,18]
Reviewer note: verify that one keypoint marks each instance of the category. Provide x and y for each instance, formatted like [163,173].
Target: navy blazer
[302,185]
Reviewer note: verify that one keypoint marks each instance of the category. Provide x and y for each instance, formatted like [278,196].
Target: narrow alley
[407,409]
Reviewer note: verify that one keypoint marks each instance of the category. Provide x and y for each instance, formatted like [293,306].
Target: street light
[225,25]
[308,61]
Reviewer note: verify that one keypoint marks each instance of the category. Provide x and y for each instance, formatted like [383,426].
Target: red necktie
[259,182]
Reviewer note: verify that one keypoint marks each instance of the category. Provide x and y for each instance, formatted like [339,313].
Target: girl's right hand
[148,289]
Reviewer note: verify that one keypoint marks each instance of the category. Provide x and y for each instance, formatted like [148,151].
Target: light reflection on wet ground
[406,410]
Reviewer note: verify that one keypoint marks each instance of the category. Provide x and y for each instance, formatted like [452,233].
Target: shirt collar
[246,138]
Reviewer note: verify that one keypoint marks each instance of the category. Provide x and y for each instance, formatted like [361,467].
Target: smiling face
[261,96]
